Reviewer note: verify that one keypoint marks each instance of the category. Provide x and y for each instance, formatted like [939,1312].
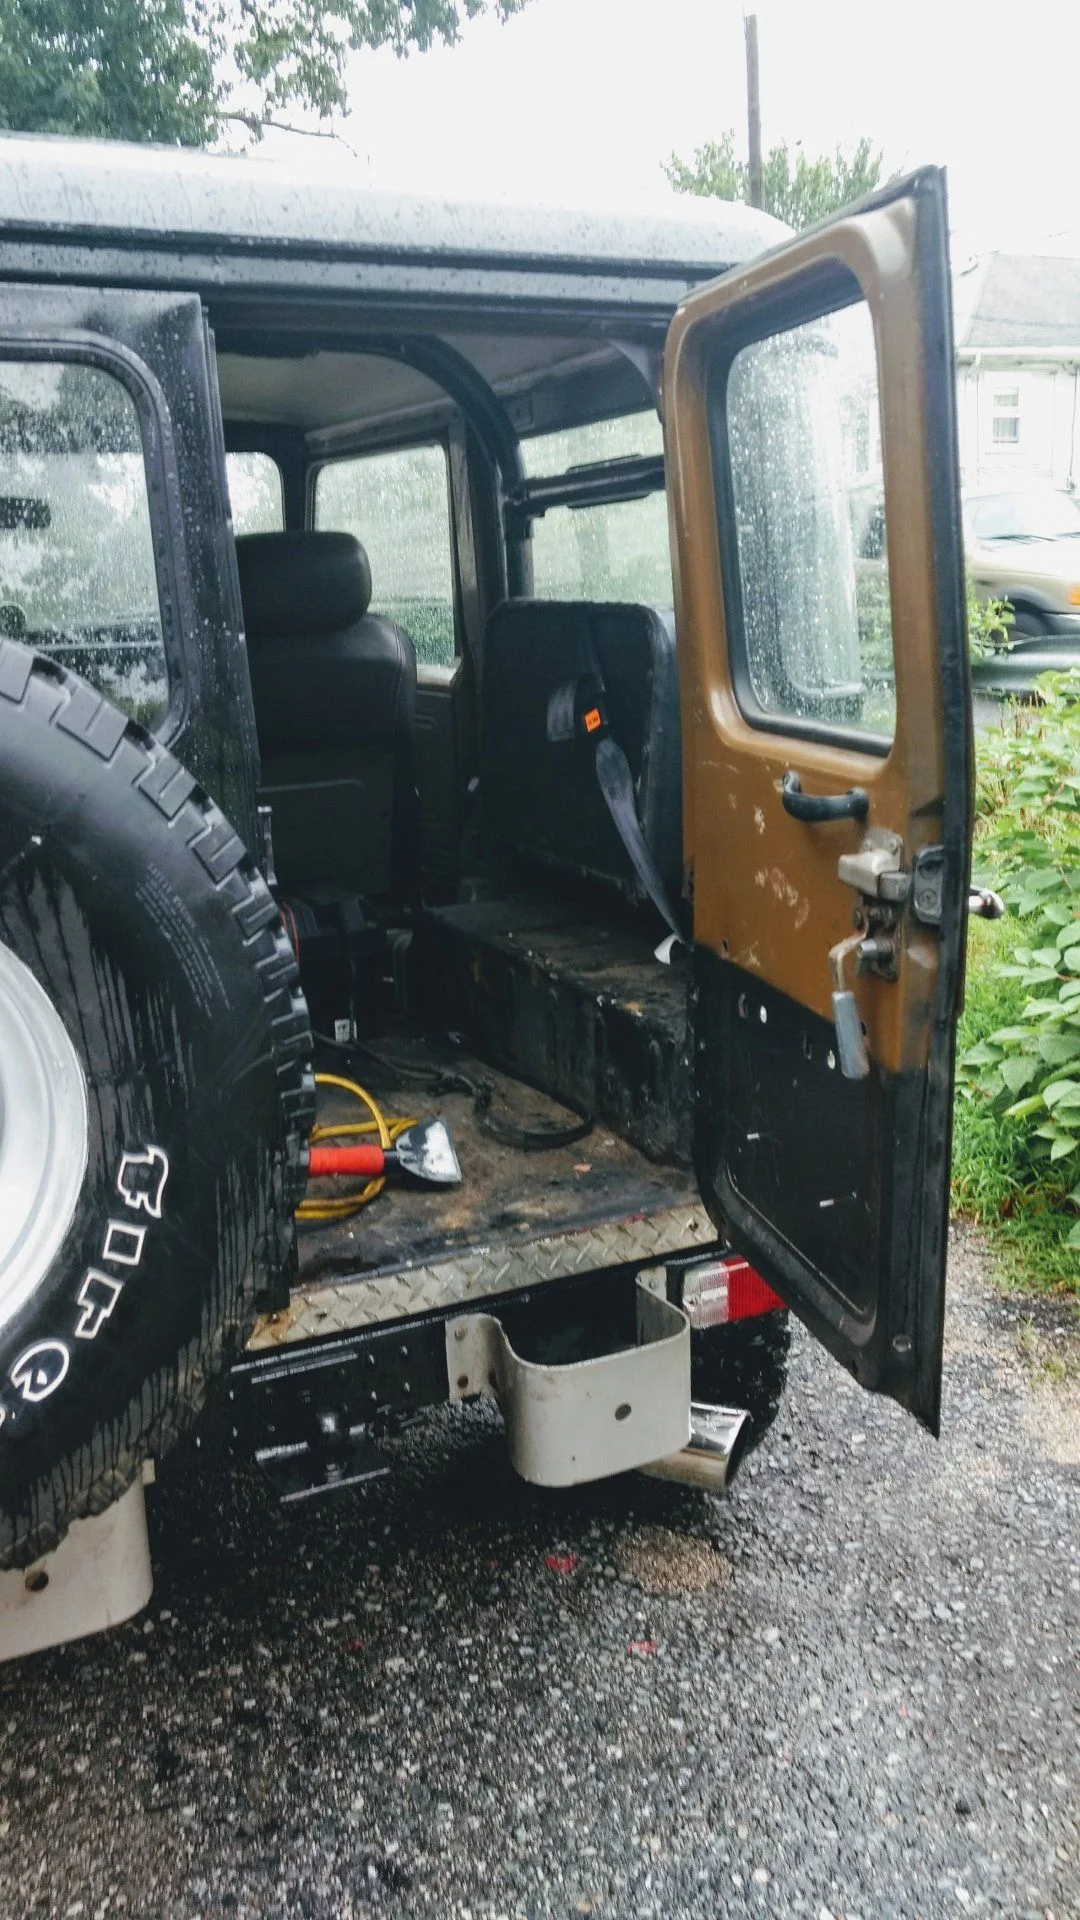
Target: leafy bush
[1025,1069]
[996,1179]
[988,623]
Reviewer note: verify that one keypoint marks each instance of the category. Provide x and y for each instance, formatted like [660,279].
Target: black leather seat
[335,695]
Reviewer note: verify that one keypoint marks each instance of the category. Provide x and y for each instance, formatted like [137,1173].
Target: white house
[1018,370]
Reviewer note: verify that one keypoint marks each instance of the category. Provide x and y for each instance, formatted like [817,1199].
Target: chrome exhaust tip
[714,1452]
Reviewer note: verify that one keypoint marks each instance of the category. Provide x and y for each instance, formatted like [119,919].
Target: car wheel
[154,1098]
[1027,625]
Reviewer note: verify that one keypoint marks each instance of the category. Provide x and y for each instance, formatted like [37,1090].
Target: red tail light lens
[720,1291]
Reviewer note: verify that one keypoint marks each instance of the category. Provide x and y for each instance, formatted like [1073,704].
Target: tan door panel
[769,903]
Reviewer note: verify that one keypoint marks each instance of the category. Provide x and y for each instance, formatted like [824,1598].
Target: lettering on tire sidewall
[43,1367]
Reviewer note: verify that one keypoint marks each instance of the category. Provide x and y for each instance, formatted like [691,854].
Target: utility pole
[753,107]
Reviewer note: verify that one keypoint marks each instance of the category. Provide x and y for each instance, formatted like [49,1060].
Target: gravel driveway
[850,1689]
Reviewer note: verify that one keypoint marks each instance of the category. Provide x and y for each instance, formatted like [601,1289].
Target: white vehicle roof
[120,190]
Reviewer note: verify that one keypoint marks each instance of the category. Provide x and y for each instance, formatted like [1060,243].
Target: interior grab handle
[852,805]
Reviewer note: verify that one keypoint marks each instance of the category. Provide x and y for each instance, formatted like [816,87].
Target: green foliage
[988,623]
[994,1177]
[1024,1069]
[177,70]
[795,189]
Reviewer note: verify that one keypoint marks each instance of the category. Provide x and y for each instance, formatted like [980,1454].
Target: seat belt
[579,710]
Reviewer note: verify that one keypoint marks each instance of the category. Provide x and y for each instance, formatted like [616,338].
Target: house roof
[1017,300]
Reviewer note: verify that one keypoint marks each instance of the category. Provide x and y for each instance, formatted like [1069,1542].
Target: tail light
[720,1291]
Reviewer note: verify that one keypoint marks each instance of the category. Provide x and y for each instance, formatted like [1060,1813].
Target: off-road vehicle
[482,876]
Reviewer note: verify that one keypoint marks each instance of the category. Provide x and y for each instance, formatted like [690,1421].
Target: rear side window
[618,551]
[255,493]
[630,434]
[614,550]
[398,506]
[77,575]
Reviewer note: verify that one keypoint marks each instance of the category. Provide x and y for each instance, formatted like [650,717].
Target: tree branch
[257,123]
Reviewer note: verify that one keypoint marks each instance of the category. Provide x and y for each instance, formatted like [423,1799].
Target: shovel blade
[426,1151]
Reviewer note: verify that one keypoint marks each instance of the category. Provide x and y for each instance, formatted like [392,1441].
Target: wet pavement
[851,1688]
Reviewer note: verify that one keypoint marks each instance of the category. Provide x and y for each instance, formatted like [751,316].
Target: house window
[1005,428]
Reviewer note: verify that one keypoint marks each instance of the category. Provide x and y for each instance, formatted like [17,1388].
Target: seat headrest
[300,583]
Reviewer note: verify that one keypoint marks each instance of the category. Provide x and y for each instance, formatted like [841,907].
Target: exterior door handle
[850,1043]
[852,805]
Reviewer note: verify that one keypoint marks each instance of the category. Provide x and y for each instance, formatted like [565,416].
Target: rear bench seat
[334,688]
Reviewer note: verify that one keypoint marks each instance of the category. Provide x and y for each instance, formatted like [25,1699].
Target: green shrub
[1018,1114]
[988,623]
[996,1179]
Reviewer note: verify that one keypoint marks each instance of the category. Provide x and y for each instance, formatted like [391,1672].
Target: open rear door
[812,477]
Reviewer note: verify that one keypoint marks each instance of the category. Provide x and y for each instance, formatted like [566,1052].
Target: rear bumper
[611,1347]
[312,1412]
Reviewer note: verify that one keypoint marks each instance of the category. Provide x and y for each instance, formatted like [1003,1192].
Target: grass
[995,1180]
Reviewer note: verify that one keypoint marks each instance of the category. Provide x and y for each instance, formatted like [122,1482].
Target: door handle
[850,1044]
[852,805]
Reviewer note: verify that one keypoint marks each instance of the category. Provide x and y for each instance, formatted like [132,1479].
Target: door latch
[877,870]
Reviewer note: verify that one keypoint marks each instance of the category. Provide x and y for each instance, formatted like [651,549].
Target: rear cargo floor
[507,1196]
[573,999]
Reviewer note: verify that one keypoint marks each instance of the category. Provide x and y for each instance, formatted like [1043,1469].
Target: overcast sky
[582,100]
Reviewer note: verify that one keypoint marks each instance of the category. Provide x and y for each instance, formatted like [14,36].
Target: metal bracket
[587,1419]
[877,869]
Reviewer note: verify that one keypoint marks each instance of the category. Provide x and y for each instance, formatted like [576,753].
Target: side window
[77,576]
[398,506]
[255,493]
[617,550]
[809,616]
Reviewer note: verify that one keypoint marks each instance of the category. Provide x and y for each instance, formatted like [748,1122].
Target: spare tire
[155,1098]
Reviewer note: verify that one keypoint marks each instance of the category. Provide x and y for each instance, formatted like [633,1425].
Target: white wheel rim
[43,1134]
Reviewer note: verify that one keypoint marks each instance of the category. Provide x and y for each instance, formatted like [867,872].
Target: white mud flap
[99,1575]
[587,1419]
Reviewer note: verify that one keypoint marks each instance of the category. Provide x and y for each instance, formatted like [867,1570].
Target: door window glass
[77,575]
[255,493]
[813,629]
[398,506]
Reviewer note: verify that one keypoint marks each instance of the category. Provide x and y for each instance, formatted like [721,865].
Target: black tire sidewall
[152,938]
